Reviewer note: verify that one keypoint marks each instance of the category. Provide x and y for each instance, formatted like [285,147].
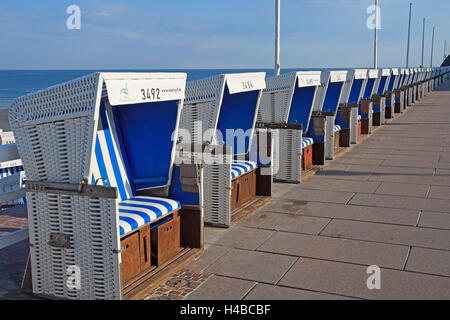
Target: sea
[16,83]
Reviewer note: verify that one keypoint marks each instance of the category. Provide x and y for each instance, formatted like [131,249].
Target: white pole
[432,49]
[376,37]
[409,35]
[277,38]
[423,42]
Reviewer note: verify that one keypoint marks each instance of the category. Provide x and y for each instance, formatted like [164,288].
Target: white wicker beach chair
[99,155]
[287,102]
[212,107]
[327,104]
[348,116]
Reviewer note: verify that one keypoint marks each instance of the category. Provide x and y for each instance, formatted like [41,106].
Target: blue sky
[180,34]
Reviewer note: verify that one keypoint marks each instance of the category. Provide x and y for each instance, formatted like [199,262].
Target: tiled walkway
[386,202]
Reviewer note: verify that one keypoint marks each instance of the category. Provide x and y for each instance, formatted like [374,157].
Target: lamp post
[423,41]
[375,59]
[432,48]
[409,35]
[277,38]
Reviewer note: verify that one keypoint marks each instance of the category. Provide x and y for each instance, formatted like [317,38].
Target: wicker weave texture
[53,129]
[91,224]
[287,155]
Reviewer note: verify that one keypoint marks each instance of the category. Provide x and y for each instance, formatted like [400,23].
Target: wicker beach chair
[286,107]
[348,116]
[367,108]
[327,104]
[107,208]
[215,108]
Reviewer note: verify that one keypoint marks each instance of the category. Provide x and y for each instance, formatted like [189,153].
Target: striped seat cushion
[337,128]
[139,211]
[239,168]
[307,142]
[6,172]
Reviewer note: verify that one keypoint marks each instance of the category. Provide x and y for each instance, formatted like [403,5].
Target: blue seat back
[301,106]
[382,85]
[133,146]
[238,112]
[145,137]
[391,83]
[369,88]
[331,102]
[355,91]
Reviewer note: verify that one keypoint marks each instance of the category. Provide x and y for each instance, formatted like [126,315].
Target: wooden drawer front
[243,189]
[336,140]
[166,240]
[249,190]
[307,158]
[130,266]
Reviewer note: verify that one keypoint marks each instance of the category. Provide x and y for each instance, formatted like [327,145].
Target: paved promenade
[386,202]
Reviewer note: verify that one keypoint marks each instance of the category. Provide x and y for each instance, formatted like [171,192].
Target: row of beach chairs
[124,169]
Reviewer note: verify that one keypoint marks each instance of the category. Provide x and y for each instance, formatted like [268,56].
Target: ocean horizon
[17,83]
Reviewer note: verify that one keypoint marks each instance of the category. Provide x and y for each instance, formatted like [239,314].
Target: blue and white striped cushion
[139,211]
[337,128]
[107,162]
[359,117]
[307,142]
[239,168]
[6,172]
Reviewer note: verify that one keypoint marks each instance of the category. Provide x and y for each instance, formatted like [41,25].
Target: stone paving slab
[401,202]
[351,280]
[429,261]
[341,185]
[435,220]
[263,292]
[284,206]
[211,254]
[361,213]
[323,196]
[411,163]
[369,160]
[439,192]
[222,288]
[287,222]
[402,189]
[385,233]
[368,156]
[343,250]
[237,237]
[251,265]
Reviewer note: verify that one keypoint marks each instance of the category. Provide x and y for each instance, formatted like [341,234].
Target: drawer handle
[145,249]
